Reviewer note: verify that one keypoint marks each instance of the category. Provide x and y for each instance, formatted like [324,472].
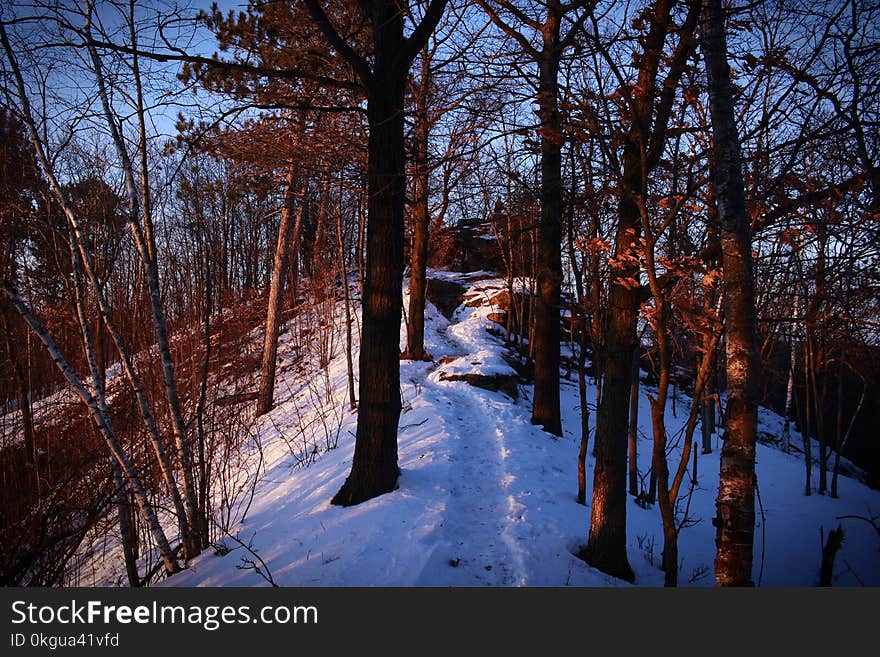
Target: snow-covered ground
[487,499]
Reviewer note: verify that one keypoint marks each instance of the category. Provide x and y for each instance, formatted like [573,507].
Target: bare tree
[735,519]
[649,102]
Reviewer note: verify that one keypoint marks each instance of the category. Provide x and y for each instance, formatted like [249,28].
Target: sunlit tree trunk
[288,233]
[415,327]
[735,505]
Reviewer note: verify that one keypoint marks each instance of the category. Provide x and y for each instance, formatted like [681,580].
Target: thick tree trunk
[606,546]
[288,231]
[735,505]
[545,404]
[374,470]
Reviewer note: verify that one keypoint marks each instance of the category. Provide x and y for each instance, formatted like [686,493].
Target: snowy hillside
[485,498]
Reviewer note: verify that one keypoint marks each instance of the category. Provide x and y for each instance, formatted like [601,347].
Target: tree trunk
[204,466]
[585,412]
[707,414]
[634,427]
[735,505]
[545,405]
[24,402]
[842,443]
[819,413]
[126,531]
[349,364]
[374,468]
[288,231]
[707,422]
[808,405]
[838,425]
[792,370]
[606,546]
[415,327]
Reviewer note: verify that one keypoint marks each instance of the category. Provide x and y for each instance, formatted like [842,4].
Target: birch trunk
[792,369]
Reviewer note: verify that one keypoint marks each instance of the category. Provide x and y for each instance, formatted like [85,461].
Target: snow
[487,499]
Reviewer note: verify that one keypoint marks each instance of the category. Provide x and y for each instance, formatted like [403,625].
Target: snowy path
[479,516]
[502,494]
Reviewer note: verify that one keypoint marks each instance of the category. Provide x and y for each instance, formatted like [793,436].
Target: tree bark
[735,504]
[24,401]
[288,232]
[841,445]
[585,412]
[707,414]
[545,404]
[415,327]
[792,371]
[126,531]
[807,429]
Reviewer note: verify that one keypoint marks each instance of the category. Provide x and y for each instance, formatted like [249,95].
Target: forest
[439,292]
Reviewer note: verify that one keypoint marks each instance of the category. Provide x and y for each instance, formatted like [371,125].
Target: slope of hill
[485,498]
